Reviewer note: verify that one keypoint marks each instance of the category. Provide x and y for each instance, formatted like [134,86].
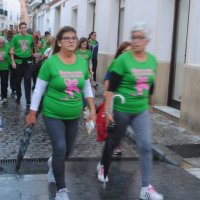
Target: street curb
[163,153]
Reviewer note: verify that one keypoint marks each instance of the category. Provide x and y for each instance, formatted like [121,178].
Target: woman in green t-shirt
[132,76]
[4,68]
[84,52]
[63,78]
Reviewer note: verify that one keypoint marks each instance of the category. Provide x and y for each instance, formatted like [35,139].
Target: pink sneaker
[100,171]
[117,151]
[149,193]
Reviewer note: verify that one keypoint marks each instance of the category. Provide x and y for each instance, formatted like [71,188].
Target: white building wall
[13,17]
[193,44]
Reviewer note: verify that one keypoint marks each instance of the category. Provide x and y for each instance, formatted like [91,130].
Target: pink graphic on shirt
[1,56]
[71,87]
[24,47]
[141,84]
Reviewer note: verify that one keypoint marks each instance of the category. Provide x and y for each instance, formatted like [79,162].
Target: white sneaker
[50,175]
[100,171]
[149,193]
[5,100]
[62,194]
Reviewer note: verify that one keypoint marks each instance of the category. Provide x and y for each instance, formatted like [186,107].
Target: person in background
[132,76]
[94,47]
[45,38]
[62,80]
[38,36]
[22,48]
[123,47]
[84,52]
[4,34]
[37,55]
[12,71]
[48,49]
[4,68]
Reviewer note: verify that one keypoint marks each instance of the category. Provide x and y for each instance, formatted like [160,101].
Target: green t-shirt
[63,97]
[4,57]
[84,54]
[38,54]
[92,42]
[23,45]
[137,78]
[9,58]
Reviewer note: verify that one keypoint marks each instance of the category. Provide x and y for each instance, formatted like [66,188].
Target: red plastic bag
[101,124]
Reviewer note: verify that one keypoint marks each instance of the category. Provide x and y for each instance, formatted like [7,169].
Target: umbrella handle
[112,101]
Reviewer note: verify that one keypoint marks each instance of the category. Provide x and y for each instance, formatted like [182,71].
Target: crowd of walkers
[57,73]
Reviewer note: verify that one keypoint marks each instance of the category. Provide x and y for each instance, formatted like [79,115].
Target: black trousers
[24,70]
[4,83]
[94,67]
[36,69]
[12,79]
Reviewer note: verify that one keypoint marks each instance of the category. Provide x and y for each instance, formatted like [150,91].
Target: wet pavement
[31,182]
[173,182]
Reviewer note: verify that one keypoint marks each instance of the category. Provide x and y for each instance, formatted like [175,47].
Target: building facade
[9,14]
[174,40]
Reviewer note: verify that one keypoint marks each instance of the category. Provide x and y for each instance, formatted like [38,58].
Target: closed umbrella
[109,145]
[24,142]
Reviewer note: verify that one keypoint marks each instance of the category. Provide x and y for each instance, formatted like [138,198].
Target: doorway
[182,10]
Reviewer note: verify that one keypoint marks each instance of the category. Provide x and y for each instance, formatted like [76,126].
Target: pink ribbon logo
[141,84]
[71,86]
[24,47]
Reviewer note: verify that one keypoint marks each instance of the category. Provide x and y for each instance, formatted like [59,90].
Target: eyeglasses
[68,39]
[138,37]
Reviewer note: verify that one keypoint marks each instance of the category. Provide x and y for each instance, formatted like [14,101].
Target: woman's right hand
[13,65]
[109,118]
[31,118]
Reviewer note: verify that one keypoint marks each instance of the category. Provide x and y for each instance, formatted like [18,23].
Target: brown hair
[22,23]
[82,40]
[121,48]
[59,36]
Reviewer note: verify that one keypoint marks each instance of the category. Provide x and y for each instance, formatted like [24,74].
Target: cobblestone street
[13,117]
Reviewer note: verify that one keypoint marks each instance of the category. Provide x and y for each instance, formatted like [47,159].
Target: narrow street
[31,182]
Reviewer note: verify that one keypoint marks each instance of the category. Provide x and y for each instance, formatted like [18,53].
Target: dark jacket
[94,49]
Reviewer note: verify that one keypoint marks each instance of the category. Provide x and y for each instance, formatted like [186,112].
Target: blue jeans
[140,123]
[62,134]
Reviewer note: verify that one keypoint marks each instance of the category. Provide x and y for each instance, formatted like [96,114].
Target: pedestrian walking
[62,79]
[84,52]
[48,49]
[22,47]
[94,47]
[12,72]
[38,53]
[4,68]
[132,75]
[123,47]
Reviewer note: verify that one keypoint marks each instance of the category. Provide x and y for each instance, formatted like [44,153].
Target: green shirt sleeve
[44,72]
[117,66]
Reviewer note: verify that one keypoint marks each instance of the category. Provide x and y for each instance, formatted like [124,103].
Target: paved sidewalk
[173,182]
